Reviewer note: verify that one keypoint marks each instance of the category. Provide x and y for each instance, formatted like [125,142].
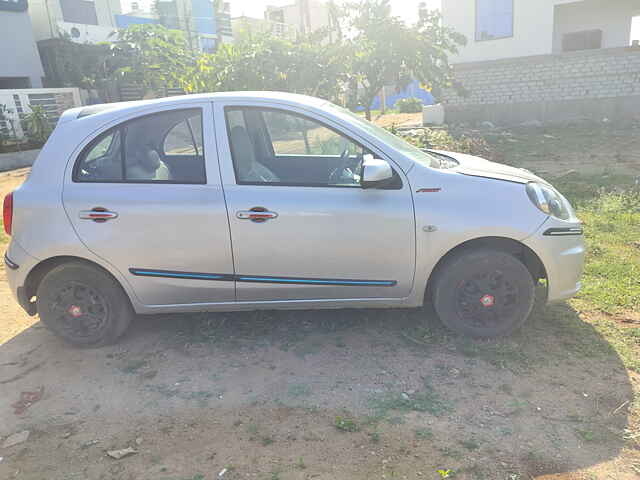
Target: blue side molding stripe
[143,272]
[314,281]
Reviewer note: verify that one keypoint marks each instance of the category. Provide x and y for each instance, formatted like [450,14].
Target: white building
[244,25]
[305,15]
[545,60]
[84,21]
[498,29]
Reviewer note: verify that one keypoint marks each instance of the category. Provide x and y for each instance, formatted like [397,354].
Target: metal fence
[15,105]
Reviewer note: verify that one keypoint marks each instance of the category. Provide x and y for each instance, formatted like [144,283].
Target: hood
[479,167]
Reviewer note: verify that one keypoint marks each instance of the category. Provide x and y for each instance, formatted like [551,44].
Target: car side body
[196,244]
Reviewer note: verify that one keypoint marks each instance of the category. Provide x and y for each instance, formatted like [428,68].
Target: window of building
[79,11]
[494,19]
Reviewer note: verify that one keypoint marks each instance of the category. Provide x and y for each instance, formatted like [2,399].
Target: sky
[255,8]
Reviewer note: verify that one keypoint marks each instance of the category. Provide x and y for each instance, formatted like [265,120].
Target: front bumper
[561,248]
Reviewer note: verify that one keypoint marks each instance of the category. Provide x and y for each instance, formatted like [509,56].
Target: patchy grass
[426,401]
[612,272]
[346,425]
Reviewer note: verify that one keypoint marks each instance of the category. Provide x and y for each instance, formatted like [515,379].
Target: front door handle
[98,215]
[257,215]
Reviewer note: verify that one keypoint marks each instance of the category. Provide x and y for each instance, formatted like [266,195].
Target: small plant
[301,465]
[374,437]
[346,425]
[423,433]
[470,444]
[37,124]
[267,440]
[409,105]
[445,473]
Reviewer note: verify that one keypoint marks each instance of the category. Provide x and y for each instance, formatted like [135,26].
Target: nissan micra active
[246,201]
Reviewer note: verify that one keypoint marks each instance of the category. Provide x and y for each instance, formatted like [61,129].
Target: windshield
[396,142]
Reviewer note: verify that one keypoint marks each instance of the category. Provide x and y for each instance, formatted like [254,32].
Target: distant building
[499,29]
[305,15]
[544,60]
[82,21]
[20,66]
[205,27]
[243,25]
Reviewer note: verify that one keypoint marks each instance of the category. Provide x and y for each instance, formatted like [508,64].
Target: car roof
[284,97]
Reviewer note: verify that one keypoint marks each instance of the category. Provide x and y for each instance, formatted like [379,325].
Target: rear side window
[164,147]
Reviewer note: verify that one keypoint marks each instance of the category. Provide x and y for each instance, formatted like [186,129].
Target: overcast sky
[255,8]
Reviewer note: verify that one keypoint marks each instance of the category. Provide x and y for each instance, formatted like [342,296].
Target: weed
[445,473]
[423,433]
[299,390]
[426,401]
[470,444]
[267,440]
[301,465]
[133,366]
[374,437]
[346,425]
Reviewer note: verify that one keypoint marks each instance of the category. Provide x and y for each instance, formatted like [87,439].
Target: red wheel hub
[75,311]
[488,300]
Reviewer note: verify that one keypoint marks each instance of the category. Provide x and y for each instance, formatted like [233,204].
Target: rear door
[145,195]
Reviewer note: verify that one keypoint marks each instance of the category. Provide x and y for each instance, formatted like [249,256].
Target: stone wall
[604,83]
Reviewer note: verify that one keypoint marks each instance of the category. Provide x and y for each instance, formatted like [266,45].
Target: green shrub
[409,105]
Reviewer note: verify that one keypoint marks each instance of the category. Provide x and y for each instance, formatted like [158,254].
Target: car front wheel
[483,293]
[83,305]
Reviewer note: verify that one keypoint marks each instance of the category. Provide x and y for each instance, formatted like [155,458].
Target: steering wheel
[338,173]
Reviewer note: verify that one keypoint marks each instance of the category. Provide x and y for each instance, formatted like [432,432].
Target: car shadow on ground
[331,394]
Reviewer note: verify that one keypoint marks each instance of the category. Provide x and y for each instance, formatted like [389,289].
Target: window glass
[277,147]
[494,19]
[163,147]
[294,135]
[102,160]
[185,138]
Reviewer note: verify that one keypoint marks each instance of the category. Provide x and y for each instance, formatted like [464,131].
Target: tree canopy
[364,49]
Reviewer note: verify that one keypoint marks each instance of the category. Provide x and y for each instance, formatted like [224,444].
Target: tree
[385,51]
[152,56]
[265,62]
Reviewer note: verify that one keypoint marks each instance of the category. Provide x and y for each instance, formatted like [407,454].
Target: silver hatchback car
[244,201]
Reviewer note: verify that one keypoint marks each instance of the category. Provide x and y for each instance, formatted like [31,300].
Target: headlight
[550,201]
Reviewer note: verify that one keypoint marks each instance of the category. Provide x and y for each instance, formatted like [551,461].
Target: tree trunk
[367,112]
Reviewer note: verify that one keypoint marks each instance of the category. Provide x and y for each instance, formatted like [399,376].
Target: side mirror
[375,172]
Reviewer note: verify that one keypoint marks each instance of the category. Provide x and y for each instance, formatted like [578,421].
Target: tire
[83,305]
[483,293]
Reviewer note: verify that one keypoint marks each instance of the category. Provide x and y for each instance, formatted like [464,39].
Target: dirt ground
[316,395]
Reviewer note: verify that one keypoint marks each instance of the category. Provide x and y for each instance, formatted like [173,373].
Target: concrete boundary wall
[593,84]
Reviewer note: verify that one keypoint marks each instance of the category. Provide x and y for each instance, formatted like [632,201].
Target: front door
[145,195]
[302,226]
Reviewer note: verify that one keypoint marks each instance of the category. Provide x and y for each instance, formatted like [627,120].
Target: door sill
[277,305]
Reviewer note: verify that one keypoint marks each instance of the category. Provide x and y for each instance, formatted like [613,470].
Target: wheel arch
[526,255]
[38,272]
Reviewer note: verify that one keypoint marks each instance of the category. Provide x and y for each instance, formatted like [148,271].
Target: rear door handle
[257,215]
[98,215]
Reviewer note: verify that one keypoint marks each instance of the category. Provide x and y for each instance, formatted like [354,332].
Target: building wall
[612,17]
[48,20]
[534,26]
[295,15]
[602,82]
[18,52]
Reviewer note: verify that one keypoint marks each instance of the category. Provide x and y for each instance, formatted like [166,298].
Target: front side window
[164,147]
[494,19]
[277,147]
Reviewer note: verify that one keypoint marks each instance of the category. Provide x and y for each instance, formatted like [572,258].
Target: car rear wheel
[483,293]
[83,305]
